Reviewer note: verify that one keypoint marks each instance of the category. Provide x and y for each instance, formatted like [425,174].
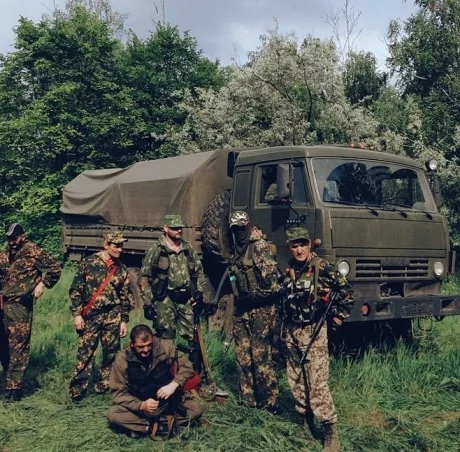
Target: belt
[180,295]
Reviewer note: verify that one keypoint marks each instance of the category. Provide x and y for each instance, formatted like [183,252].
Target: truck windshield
[371,183]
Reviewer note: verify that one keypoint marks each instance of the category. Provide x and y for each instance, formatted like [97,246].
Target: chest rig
[160,272]
[300,305]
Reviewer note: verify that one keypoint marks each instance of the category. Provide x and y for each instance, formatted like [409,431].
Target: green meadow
[399,398]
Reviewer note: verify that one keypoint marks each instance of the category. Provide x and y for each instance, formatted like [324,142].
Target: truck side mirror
[284,179]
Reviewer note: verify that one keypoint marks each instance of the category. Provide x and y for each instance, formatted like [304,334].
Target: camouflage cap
[14,230]
[297,233]
[173,221]
[239,218]
[114,237]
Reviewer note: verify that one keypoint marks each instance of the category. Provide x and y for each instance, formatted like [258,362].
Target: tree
[61,110]
[290,92]
[363,82]
[425,57]
[158,70]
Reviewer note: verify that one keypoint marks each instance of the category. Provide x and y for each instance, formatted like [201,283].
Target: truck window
[268,192]
[345,181]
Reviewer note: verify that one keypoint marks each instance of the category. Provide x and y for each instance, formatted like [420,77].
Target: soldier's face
[15,243]
[142,346]
[300,250]
[114,249]
[173,233]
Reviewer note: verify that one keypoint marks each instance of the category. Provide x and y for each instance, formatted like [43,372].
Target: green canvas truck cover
[143,193]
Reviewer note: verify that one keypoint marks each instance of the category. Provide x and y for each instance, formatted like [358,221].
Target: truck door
[274,215]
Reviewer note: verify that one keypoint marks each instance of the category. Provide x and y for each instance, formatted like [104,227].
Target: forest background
[81,92]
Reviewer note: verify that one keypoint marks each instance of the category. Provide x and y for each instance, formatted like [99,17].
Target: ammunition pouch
[149,312]
[299,308]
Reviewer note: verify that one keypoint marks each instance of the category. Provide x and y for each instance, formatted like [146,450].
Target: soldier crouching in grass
[100,307]
[314,289]
[148,387]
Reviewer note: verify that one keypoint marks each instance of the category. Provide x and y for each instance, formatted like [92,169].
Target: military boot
[331,438]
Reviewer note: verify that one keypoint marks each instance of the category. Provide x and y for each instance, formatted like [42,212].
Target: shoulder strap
[316,263]
[99,290]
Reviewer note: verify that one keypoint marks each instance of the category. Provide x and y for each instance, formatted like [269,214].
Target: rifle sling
[99,290]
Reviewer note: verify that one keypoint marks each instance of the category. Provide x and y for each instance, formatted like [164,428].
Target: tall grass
[404,398]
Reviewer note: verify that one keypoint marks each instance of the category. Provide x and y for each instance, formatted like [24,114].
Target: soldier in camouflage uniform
[26,271]
[254,279]
[100,307]
[303,308]
[171,282]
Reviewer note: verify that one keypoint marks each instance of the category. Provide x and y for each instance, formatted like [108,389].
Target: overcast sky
[228,29]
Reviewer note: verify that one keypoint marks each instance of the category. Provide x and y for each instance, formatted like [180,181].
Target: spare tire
[215,232]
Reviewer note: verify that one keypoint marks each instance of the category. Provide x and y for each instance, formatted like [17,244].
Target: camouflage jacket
[299,281]
[26,269]
[91,272]
[178,270]
[163,350]
[258,266]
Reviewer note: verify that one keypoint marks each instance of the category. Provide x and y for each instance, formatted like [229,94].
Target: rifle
[333,295]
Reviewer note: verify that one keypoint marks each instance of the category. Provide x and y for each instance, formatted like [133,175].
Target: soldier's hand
[149,406]
[336,323]
[79,323]
[123,329]
[38,291]
[166,391]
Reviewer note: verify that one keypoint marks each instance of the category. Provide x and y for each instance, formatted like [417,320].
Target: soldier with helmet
[100,307]
[254,279]
[312,284]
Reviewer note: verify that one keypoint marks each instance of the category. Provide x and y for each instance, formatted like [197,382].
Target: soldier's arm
[118,385]
[266,264]
[185,367]
[146,274]
[77,290]
[124,300]
[198,270]
[49,267]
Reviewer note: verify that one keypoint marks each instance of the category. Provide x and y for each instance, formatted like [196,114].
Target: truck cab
[372,214]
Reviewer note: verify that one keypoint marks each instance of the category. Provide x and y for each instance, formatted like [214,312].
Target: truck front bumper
[404,308]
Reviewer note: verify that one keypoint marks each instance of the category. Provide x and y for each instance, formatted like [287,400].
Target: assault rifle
[331,299]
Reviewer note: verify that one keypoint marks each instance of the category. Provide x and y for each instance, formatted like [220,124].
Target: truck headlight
[438,269]
[344,268]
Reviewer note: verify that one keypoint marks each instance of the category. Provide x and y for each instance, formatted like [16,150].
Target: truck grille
[393,268]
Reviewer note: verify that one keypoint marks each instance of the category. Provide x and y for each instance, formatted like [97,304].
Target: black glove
[197,297]
[149,312]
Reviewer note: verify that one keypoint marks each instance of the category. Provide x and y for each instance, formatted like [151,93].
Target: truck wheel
[214,232]
[134,291]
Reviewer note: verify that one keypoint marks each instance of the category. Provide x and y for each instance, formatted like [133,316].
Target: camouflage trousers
[173,319]
[309,382]
[16,355]
[106,328]
[252,332]
[120,418]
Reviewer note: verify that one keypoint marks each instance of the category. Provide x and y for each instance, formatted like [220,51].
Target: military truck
[371,213]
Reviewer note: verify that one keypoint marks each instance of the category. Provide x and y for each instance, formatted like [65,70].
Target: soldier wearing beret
[310,282]
[100,307]
[172,282]
[25,271]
